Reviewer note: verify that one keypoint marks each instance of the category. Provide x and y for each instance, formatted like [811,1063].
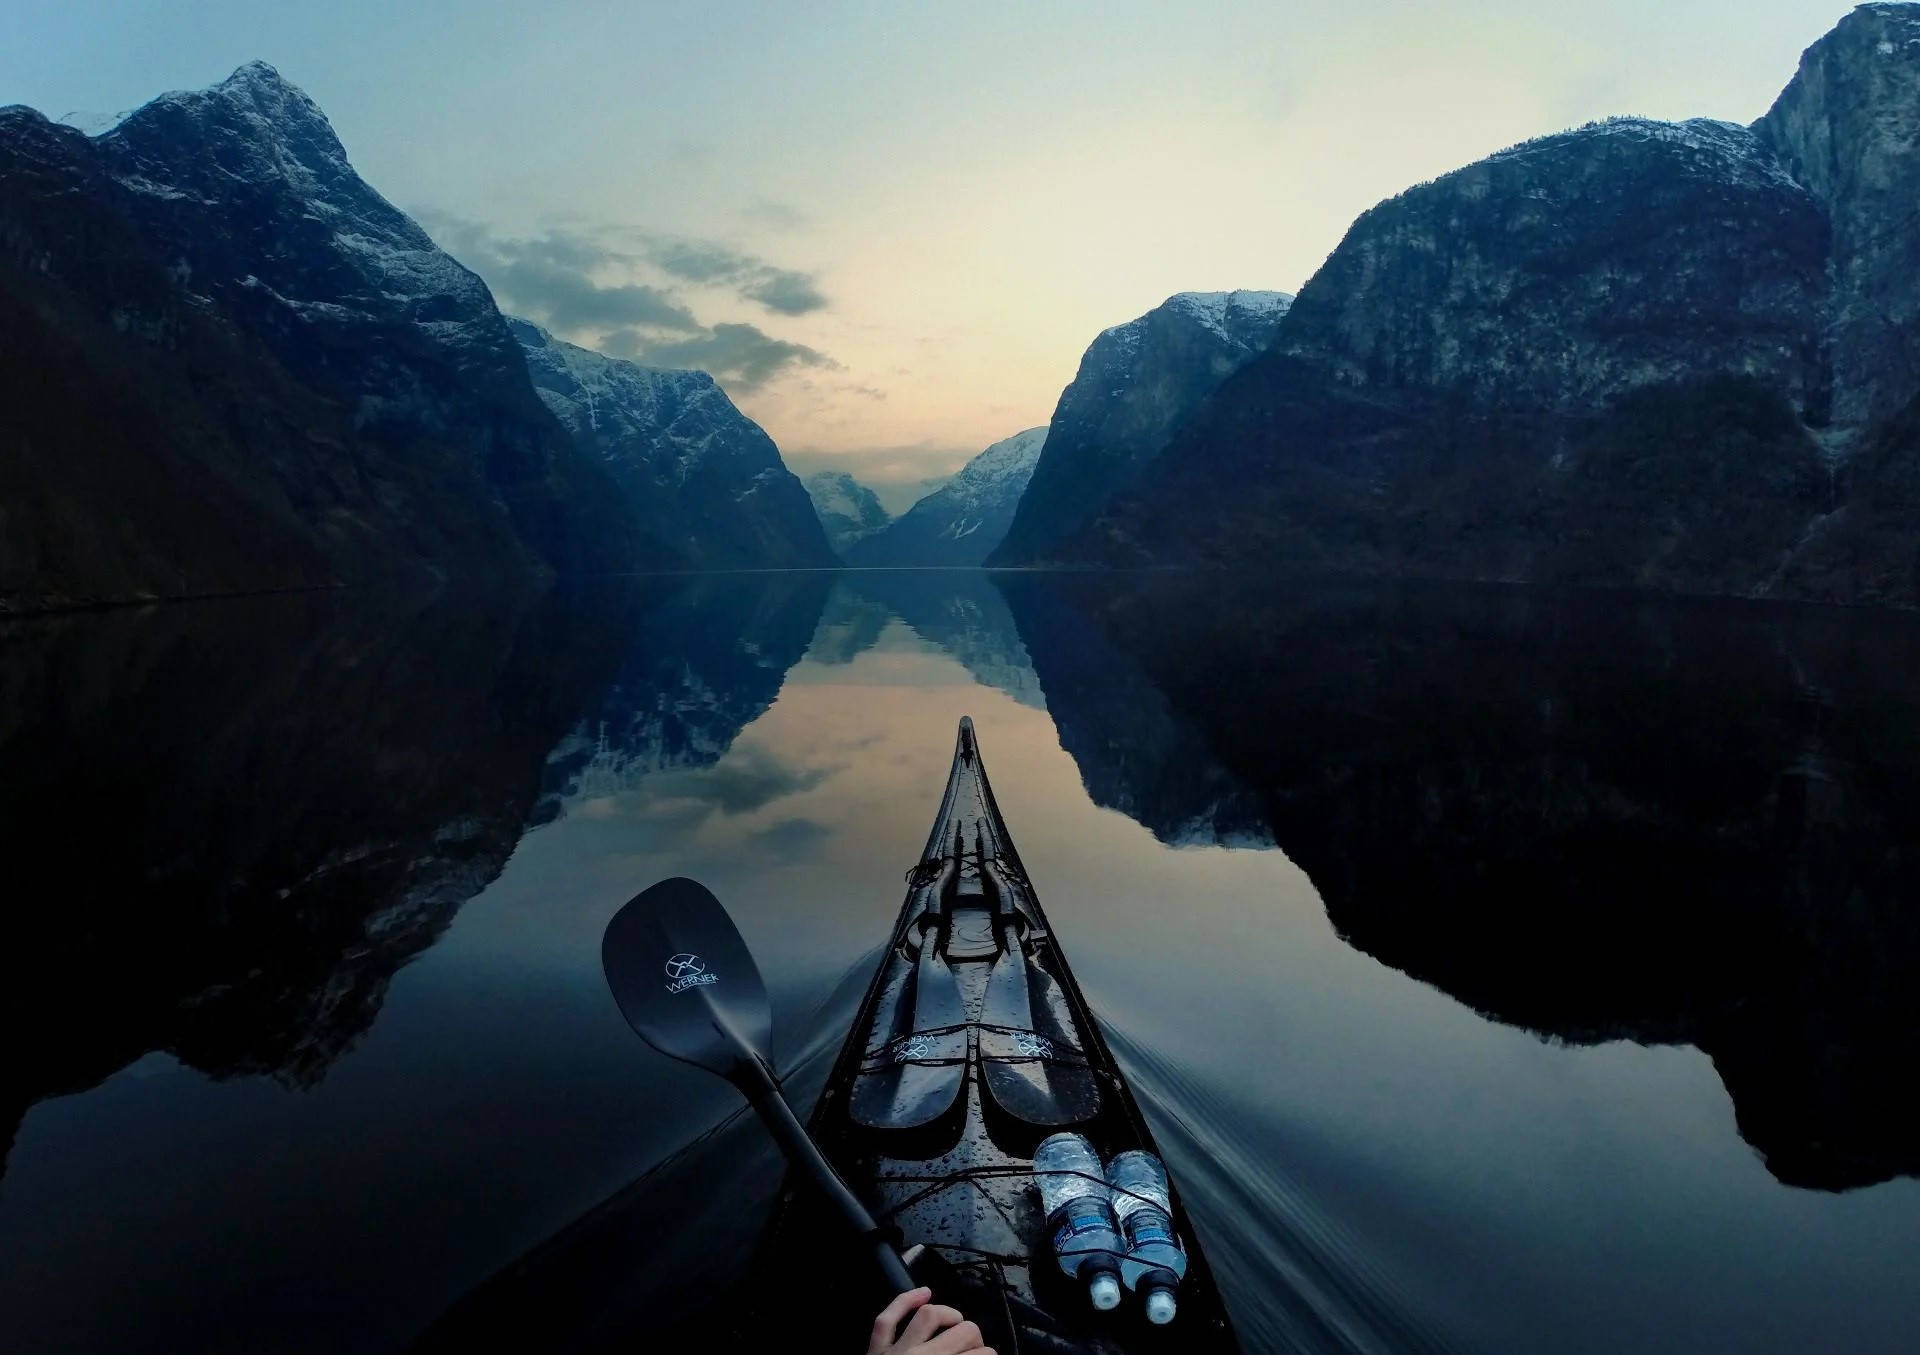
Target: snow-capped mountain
[961,522]
[306,241]
[1137,382]
[848,510]
[233,365]
[703,480]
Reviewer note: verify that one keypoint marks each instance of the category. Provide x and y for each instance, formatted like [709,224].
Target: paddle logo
[687,970]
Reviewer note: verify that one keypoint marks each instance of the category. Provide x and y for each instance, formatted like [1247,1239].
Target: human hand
[914,1325]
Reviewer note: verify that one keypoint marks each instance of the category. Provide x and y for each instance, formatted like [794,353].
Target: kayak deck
[973,1044]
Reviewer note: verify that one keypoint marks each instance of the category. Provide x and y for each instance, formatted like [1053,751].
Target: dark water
[1502,971]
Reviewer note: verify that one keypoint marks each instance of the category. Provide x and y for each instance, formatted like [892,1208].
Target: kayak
[972,1045]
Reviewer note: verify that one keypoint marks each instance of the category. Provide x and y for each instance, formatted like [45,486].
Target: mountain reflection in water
[230,824]
[307,1035]
[1597,818]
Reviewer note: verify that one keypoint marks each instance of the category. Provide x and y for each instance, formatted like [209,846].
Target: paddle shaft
[764,1094]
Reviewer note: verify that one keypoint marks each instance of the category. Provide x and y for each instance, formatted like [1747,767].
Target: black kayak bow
[687,984]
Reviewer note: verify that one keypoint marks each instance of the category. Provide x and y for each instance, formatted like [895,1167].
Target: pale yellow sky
[892,229]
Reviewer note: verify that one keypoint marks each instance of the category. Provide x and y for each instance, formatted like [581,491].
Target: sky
[890,230]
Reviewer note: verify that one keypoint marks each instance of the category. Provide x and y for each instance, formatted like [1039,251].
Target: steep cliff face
[1848,127]
[1667,355]
[1137,382]
[1569,270]
[703,481]
[234,365]
[847,509]
[963,521]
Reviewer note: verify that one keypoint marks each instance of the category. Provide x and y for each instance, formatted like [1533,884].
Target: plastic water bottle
[1154,1264]
[1079,1208]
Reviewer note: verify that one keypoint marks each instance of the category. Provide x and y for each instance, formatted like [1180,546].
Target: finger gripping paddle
[687,984]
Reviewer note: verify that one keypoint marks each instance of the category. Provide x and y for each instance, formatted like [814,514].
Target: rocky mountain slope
[1671,355]
[232,365]
[1137,382]
[705,483]
[848,510]
[963,521]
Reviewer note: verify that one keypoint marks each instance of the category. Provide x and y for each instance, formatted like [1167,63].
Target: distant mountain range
[231,365]
[1670,355]
[1679,356]
[962,521]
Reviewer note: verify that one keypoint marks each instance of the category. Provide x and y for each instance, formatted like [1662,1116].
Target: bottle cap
[1104,1290]
[1160,1306]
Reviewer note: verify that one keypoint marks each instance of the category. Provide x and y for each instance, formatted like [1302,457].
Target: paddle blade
[685,980]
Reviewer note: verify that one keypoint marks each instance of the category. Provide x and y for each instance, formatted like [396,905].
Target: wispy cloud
[740,355]
[619,292]
[557,278]
[781,290]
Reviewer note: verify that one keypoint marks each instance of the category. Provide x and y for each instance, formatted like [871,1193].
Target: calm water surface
[1502,971]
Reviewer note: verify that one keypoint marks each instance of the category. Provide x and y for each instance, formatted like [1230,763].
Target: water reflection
[348,863]
[960,612]
[1137,752]
[707,660]
[228,825]
[1593,817]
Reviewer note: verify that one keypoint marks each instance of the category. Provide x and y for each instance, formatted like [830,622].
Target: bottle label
[1078,1221]
[1147,1226]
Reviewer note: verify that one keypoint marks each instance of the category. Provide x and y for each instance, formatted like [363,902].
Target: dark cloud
[563,299]
[554,279]
[742,356]
[786,293]
[697,260]
[781,290]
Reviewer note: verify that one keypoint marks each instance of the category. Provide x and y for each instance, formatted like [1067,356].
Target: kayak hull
[973,1043]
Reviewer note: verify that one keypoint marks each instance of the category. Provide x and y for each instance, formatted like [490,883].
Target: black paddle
[687,983]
